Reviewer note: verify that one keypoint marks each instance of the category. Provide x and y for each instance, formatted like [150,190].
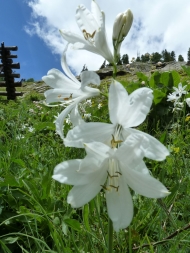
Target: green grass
[34,214]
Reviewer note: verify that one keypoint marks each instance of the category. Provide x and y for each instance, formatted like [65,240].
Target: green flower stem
[99,220]
[104,94]
[110,236]
[130,244]
[114,70]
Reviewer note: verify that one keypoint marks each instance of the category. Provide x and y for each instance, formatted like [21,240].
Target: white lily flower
[180,90]
[92,26]
[126,111]
[67,90]
[121,28]
[112,170]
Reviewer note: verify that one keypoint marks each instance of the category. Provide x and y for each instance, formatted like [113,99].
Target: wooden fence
[7,74]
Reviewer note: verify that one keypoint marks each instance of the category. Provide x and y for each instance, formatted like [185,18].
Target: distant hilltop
[147,68]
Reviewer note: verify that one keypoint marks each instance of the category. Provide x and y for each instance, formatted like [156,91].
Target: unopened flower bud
[117,27]
[122,25]
[128,18]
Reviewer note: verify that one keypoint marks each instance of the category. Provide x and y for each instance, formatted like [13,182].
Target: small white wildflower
[180,90]
[172,97]
[99,106]
[19,137]
[31,111]
[88,102]
[31,129]
[68,120]
[23,126]
[87,115]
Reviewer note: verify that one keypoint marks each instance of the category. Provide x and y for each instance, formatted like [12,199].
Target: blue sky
[33,26]
[34,56]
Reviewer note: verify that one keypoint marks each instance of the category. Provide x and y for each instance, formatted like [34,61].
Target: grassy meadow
[34,214]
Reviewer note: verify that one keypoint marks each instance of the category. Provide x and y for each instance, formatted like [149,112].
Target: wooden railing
[7,73]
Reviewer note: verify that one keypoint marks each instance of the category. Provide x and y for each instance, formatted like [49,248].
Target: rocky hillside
[128,70]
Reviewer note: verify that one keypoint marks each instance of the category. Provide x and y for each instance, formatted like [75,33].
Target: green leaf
[173,191]
[46,184]
[158,96]
[142,77]
[154,80]
[163,137]
[9,180]
[4,247]
[56,221]
[186,69]
[176,78]
[44,126]
[86,216]
[19,162]
[10,240]
[64,228]
[74,224]
[166,79]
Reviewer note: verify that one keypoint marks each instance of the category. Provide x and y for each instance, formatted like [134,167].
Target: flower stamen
[69,98]
[114,142]
[116,187]
[104,187]
[88,36]
[119,173]
[111,176]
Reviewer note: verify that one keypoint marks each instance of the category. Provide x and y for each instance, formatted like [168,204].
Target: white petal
[66,69]
[142,183]
[141,167]
[88,132]
[60,119]
[132,151]
[118,102]
[98,150]
[131,111]
[101,41]
[75,117]
[80,195]
[156,150]
[86,20]
[96,12]
[56,79]
[67,173]
[89,77]
[92,164]
[120,206]
[72,37]
[61,95]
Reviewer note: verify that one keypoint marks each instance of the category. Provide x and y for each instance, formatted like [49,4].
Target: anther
[104,187]
[69,97]
[110,175]
[114,142]
[116,187]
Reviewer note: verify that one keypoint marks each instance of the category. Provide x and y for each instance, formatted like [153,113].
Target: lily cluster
[114,151]
[177,97]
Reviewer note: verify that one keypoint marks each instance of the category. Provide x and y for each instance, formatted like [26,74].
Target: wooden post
[6,71]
